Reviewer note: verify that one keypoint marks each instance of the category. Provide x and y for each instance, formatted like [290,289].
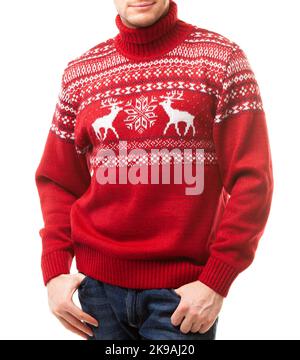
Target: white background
[38,38]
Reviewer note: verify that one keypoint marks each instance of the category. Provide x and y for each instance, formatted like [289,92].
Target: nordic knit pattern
[169,86]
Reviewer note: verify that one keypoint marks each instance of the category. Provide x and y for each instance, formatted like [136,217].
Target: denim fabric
[133,314]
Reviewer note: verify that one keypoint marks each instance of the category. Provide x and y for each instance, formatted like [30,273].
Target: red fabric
[151,41]
[152,235]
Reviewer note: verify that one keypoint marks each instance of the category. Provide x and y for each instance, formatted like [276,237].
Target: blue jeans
[133,314]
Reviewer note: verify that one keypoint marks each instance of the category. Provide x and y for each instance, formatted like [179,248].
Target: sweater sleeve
[61,177]
[244,157]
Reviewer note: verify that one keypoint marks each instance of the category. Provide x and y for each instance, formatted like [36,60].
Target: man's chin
[141,21]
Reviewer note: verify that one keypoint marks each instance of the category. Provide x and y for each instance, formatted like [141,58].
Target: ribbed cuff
[56,263]
[218,276]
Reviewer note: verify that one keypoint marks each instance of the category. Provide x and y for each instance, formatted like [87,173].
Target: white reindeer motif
[105,122]
[177,116]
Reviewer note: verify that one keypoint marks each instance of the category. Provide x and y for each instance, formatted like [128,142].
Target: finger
[200,329]
[80,277]
[178,315]
[196,327]
[76,323]
[205,327]
[186,324]
[80,315]
[71,328]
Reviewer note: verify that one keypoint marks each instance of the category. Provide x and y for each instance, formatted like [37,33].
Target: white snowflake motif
[141,114]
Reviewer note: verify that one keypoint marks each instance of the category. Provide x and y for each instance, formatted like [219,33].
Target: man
[155,260]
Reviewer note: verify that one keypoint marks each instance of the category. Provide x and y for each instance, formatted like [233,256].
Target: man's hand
[198,308]
[60,294]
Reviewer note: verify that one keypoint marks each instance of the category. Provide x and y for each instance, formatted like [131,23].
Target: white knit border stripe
[151,143]
[161,142]
[246,106]
[151,159]
[93,56]
[61,133]
[139,69]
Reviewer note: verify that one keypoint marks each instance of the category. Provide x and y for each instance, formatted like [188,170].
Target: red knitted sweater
[171,87]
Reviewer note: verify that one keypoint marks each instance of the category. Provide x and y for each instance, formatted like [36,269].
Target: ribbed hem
[218,276]
[55,263]
[138,274]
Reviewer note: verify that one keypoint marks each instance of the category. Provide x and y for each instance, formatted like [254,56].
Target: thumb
[79,278]
[177,290]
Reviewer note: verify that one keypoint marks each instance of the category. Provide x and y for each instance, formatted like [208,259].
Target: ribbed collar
[152,41]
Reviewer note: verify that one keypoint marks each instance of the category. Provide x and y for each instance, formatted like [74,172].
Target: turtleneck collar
[154,40]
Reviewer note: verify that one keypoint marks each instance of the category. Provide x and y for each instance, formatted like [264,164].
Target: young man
[155,257]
